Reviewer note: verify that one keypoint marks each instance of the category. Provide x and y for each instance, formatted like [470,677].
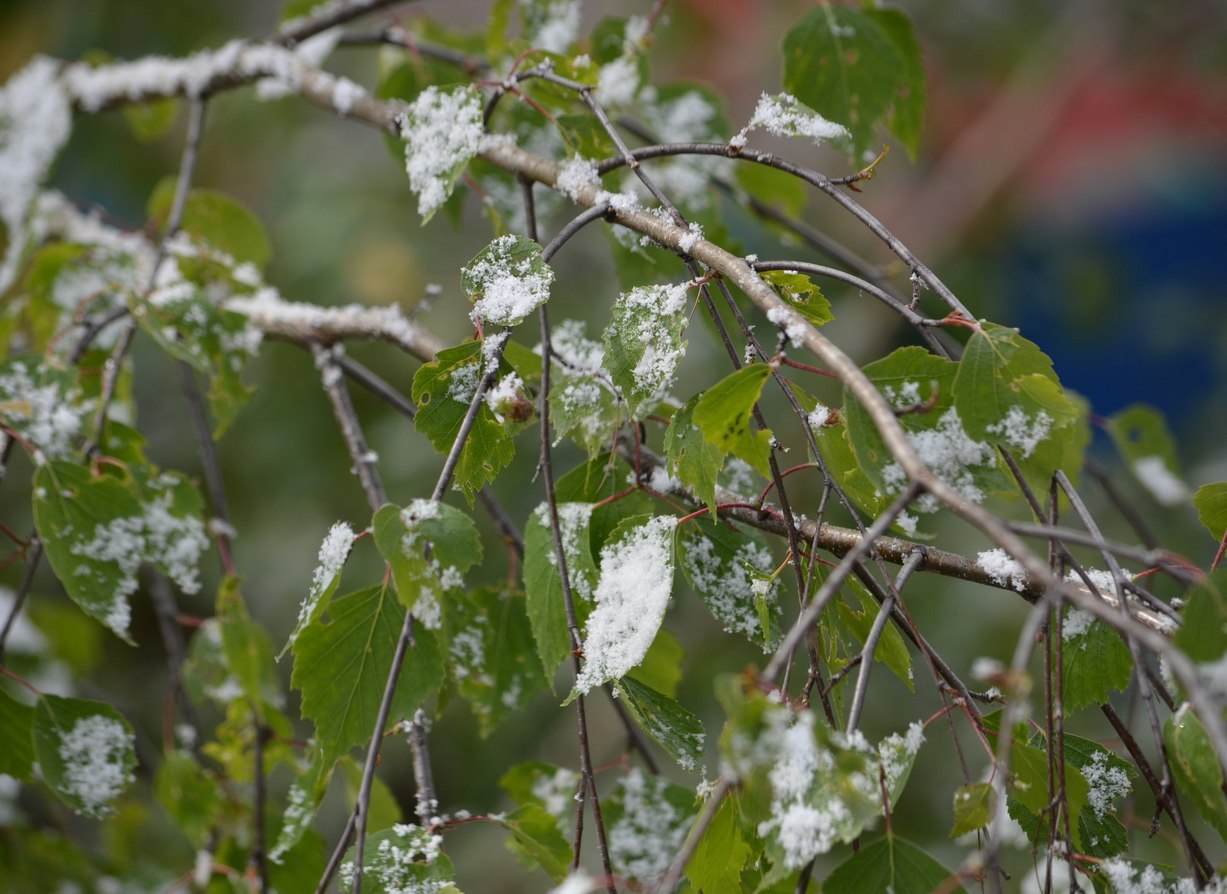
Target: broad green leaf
[16,729]
[88,526]
[190,326]
[727,567]
[802,293]
[891,649]
[507,280]
[215,219]
[86,752]
[907,115]
[190,794]
[647,819]
[583,402]
[395,860]
[661,668]
[443,390]
[1006,393]
[1109,779]
[341,665]
[839,61]
[891,864]
[631,595]
[249,654]
[150,120]
[1028,796]
[491,653]
[724,415]
[1142,437]
[547,613]
[721,854]
[774,188]
[1095,662]
[536,839]
[643,343]
[1202,633]
[674,728]
[974,807]
[921,386]
[585,137]
[302,803]
[690,458]
[1211,503]
[1196,767]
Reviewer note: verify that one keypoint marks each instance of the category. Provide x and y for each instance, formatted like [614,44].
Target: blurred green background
[1071,181]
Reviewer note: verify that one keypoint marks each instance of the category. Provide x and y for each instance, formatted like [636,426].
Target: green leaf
[1095,662]
[301,805]
[661,668]
[86,752]
[1142,437]
[507,280]
[537,840]
[324,582]
[84,522]
[150,120]
[1211,503]
[190,794]
[841,62]
[802,293]
[249,654]
[1006,393]
[1196,767]
[342,665]
[673,727]
[727,567]
[443,390]
[921,384]
[907,116]
[216,220]
[394,860]
[690,458]
[723,414]
[16,729]
[891,864]
[643,343]
[427,545]
[774,188]
[1202,633]
[891,649]
[1109,779]
[547,613]
[721,854]
[974,807]
[491,654]
[647,819]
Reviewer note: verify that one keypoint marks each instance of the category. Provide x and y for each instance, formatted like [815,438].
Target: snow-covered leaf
[802,293]
[728,567]
[647,819]
[324,581]
[405,858]
[1142,437]
[507,280]
[644,345]
[86,752]
[547,613]
[674,728]
[216,220]
[442,132]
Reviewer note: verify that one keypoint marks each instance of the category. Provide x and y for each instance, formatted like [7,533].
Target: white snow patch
[510,288]
[784,116]
[1021,432]
[1164,485]
[94,753]
[442,130]
[1004,570]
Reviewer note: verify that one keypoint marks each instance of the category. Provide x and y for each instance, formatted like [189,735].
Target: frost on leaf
[633,590]
[442,131]
[508,279]
[783,115]
[35,120]
[643,343]
[647,827]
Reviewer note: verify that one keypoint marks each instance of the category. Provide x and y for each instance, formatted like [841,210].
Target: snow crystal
[1077,623]
[1005,571]
[43,415]
[691,238]
[791,322]
[558,27]
[818,418]
[35,120]
[506,393]
[644,839]
[462,384]
[618,82]
[1020,432]
[509,287]
[94,753]
[631,596]
[1107,783]
[442,131]
[728,589]
[784,116]
[575,176]
[1158,478]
